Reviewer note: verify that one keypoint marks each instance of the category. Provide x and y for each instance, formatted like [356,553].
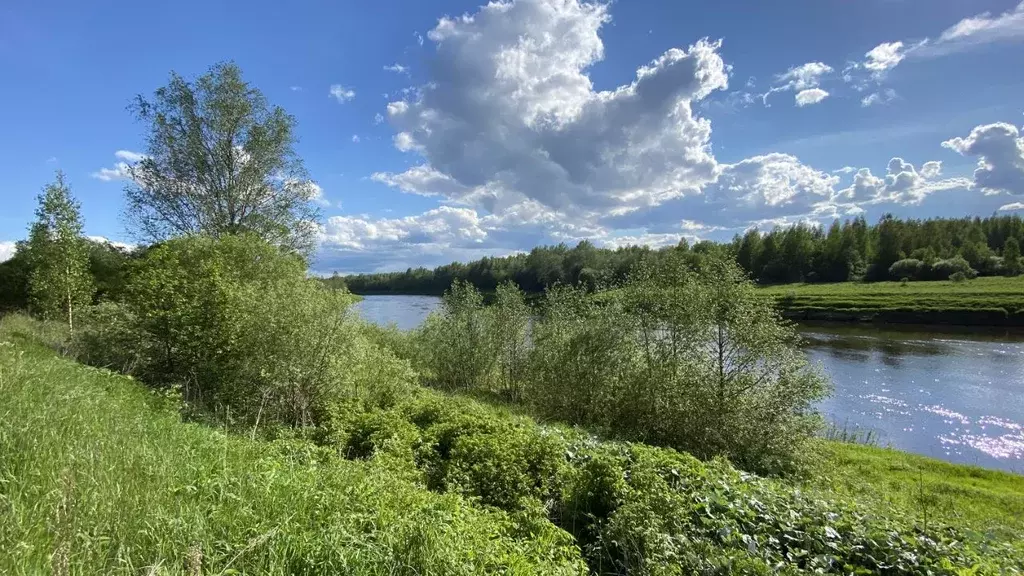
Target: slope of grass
[98,476]
[980,301]
[926,489]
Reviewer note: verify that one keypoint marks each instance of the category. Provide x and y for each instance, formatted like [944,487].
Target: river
[957,396]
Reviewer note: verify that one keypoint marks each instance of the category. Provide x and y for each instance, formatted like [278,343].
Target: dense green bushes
[690,358]
[636,509]
[913,269]
[236,325]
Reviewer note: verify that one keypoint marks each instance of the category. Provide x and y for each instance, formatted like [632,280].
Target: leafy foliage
[510,319]
[220,161]
[637,509]
[59,282]
[107,265]
[458,340]
[1011,257]
[99,476]
[236,324]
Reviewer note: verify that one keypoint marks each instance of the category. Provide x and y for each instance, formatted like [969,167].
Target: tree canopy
[850,250]
[59,282]
[220,160]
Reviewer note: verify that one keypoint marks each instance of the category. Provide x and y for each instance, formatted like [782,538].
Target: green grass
[979,301]
[99,476]
[925,488]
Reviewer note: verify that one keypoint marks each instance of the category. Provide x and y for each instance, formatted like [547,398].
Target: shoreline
[933,319]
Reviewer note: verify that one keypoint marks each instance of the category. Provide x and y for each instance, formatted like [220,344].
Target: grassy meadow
[995,300]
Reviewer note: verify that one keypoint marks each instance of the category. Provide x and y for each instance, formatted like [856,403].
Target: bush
[958,277]
[907,268]
[696,360]
[237,325]
[720,372]
[945,269]
[457,341]
[109,337]
[510,319]
[583,351]
[636,509]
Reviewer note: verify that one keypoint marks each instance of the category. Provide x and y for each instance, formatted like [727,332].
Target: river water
[957,396]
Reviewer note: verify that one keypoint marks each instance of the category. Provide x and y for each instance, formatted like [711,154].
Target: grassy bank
[100,475]
[992,301]
[929,490]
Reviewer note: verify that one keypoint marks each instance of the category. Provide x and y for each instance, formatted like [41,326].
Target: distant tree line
[852,250]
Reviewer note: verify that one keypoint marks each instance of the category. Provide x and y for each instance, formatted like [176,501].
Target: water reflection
[956,395]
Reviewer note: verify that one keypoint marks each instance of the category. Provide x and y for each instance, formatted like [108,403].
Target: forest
[202,405]
[853,250]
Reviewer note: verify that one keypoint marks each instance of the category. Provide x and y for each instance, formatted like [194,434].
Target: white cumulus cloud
[902,183]
[120,170]
[341,94]
[803,79]
[999,148]
[510,108]
[7,250]
[810,96]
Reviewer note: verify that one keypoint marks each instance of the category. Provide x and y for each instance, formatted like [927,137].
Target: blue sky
[539,121]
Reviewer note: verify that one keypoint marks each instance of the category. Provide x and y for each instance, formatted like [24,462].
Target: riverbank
[991,301]
[219,502]
[988,501]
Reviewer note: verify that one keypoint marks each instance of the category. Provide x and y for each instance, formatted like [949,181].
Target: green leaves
[220,161]
[59,282]
[686,354]
[237,324]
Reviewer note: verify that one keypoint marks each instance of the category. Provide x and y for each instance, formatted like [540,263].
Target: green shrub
[583,352]
[510,319]
[636,509]
[109,337]
[457,341]
[945,269]
[236,324]
[957,277]
[721,372]
[694,359]
[907,268]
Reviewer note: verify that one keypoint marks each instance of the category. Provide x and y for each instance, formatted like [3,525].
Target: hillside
[99,476]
